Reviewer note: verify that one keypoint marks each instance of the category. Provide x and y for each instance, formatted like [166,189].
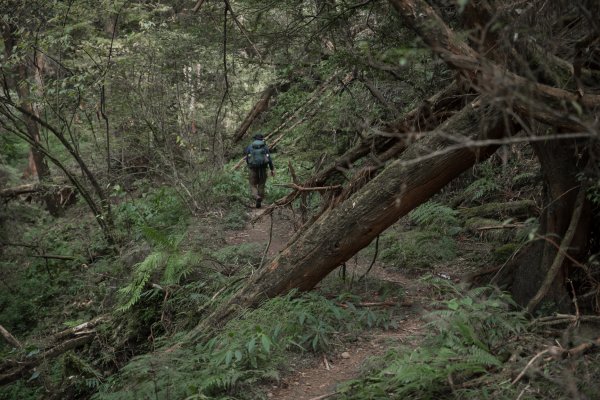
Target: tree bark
[560,167]
[344,230]
[559,259]
[261,106]
[518,208]
[528,99]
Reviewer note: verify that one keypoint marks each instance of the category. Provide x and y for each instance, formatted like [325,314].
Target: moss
[503,253]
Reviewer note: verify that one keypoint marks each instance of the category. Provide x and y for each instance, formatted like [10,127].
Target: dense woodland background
[452,142]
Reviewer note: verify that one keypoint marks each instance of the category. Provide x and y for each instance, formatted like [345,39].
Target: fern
[466,334]
[176,265]
[434,214]
[143,271]
[481,188]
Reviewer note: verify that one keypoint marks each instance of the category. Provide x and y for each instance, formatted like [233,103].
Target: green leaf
[453,305]
[251,345]
[266,343]
[238,355]
[33,376]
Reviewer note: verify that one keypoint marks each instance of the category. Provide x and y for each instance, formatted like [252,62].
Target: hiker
[257,159]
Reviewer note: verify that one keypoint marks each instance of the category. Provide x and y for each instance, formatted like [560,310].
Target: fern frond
[141,275]
[433,213]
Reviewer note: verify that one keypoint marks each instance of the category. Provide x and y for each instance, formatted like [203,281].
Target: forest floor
[319,376]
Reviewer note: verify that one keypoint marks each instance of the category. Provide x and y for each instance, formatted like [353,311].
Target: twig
[373,260]
[577,314]
[327,367]
[522,392]
[538,355]
[262,260]
[53,257]
[371,304]
[505,226]
[575,351]
[309,189]
[564,318]
[324,396]
[242,29]
[197,6]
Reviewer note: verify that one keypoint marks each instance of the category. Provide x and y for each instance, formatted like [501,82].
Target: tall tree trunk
[560,168]
[261,106]
[19,82]
[423,169]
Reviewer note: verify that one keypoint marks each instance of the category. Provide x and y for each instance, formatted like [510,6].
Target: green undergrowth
[427,239]
[254,348]
[477,343]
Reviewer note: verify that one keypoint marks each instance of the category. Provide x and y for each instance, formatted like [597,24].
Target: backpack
[258,156]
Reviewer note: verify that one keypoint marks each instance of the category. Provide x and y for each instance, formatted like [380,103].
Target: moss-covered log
[511,209]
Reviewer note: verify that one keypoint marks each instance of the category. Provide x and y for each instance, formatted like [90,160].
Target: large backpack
[258,156]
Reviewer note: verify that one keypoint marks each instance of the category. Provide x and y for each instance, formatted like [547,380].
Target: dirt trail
[318,379]
[260,231]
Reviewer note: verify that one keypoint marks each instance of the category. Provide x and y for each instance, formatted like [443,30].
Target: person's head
[258,136]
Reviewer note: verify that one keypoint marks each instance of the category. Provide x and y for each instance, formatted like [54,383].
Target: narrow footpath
[320,378]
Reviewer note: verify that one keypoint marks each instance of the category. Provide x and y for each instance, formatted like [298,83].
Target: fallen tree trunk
[21,368]
[519,208]
[261,106]
[527,98]
[57,344]
[382,148]
[61,195]
[10,339]
[12,192]
[339,233]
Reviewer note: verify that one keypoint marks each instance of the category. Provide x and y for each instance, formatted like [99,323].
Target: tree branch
[10,339]
[545,103]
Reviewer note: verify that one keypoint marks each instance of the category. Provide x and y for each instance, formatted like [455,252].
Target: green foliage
[239,255]
[250,349]
[435,216]
[236,217]
[503,253]
[158,209]
[481,188]
[468,339]
[484,186]
[12,150]
[412,249]
[21,390]
[174,263]
[229,186]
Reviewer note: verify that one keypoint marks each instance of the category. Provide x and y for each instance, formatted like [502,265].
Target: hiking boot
[258,202]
